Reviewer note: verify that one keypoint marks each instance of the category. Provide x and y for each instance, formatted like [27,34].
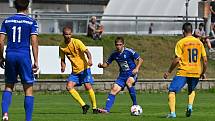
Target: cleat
[85,108]
[5,117]
[100,110]
[188,112]
[95,111]
[171,115]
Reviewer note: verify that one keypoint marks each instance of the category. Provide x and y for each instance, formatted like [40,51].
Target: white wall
[49,61]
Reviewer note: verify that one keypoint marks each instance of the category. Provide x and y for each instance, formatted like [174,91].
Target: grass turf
[61,107]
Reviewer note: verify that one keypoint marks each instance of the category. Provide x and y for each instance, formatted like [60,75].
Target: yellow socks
[191,98]
[77,97]
[92,98]
[172,101]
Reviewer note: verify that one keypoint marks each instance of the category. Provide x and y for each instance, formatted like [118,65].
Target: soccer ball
[136,110]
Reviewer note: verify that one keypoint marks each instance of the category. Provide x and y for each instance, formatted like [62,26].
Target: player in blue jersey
[21,32]
[125,59]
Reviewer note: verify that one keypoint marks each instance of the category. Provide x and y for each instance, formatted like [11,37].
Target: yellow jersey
[190,50]
[74,51]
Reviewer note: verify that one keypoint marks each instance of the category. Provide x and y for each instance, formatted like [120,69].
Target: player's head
[21,5]
[187,28]
[67,33]
[93,19]
[201,26]
[119,44]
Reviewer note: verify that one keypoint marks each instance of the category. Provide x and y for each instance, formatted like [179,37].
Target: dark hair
[187,28]
[201,24]
[119,39]
[21,5]
[67,28]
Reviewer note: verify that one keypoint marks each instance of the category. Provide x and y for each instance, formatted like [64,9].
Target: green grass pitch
[62,107]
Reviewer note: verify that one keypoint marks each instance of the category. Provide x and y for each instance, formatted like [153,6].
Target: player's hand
[62,69]
[90,63]
[35,67]
[100,65]
[165,75]
[2,64]
[202,76]
[135,71]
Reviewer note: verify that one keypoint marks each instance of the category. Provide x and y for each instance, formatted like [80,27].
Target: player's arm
[205,62]
[211,9]
[172,67]
[89,56]
[2,38]
[34,43]
[103,65]
[63,65]
[139,63]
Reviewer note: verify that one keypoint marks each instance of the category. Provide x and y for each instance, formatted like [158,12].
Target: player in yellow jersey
[188,54]
[75,51]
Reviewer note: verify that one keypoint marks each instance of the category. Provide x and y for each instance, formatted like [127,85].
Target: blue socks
[29,105]
[6,101]
[132,93]
[109,102]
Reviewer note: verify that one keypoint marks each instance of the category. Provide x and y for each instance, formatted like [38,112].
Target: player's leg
[87,79]
[27,78]
[130,85]
[28,101]
[111,97]
[10,80]
[192,82]
[6,100]
[177,83]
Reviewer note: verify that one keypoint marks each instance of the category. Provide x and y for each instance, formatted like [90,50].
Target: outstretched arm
[104,65]
[171,68]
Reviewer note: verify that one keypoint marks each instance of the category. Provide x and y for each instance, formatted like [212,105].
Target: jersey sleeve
[3,28]
[81,45]
[134,54]
[34,28]
[178,50]
[110,59]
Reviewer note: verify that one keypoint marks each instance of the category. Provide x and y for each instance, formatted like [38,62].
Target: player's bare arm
[172,67]
[34,43]
[139,63]
[205,61]
[212,10]
[2,38]
[104,65]
[63,65]
[89,56]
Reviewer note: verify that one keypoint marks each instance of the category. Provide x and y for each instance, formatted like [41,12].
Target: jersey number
[14,33]
[193,55]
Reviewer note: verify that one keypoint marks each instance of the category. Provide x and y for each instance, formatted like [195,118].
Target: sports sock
[77,97]
[132,93]
[191,98]
[6,101]
[172,101]
[109,102]
[92,98]
[29,106]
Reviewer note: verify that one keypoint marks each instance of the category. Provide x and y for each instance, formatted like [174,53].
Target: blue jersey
[125,60]
[18,29]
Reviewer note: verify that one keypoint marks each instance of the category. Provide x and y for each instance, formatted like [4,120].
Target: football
[136,110]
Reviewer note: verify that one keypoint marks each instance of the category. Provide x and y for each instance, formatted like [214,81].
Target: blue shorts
[17,63]
[121,80]
[178,83]
[81,78]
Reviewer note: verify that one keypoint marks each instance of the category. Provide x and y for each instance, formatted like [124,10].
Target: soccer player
[188,54]
[125,58]
[21,31]
[75,51]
